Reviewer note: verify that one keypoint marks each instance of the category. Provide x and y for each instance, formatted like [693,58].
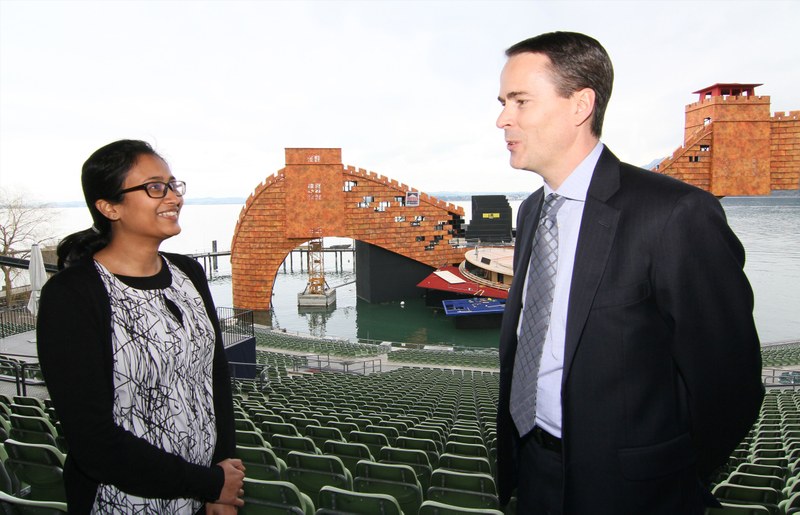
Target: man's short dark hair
[577,61]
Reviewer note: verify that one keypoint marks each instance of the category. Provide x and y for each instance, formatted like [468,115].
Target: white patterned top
[163,348]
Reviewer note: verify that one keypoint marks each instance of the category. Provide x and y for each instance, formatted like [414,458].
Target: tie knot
[552,203]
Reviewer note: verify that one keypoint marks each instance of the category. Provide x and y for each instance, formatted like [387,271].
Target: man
[643,373]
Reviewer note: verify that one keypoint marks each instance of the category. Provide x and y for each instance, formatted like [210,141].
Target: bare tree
[21,225]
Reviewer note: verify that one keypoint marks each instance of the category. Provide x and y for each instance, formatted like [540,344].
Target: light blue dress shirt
[548,393]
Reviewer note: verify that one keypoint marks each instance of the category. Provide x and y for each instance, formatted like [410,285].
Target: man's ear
[583,100]
[107,209]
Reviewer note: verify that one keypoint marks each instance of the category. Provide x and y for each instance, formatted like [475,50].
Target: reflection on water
[769,229]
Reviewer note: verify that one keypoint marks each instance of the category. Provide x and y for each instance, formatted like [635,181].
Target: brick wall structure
[316,195]
[734,147]
[785,151]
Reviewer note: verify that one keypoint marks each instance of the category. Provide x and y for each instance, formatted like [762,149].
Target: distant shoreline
[448,196]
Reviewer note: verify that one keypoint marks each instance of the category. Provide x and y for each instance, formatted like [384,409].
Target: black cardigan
[74,344]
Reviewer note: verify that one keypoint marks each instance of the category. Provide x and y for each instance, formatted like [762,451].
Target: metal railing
[16,320]
[237,325]
[21,374]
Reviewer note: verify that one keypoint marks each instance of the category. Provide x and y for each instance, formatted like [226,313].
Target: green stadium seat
[344,427]
[740,494]
[284,444]
[35,430]
[466,449]
[739,509]
[310,472]
[791,505]
[764,470]
[8,481]
[335,501]
[38,465]
[321,434]
[270,497]
[429,446]
[438,508]
[468,490]
[374,441]
[414,458]
[400,425]
[261,463]
[740,478]
[428,433]
[391,433]
[278,428]
[268,417]
[28,410]
[251,439]
[350,453]
[399,481]
[28,506]
[465,463]
[470,439]
[29,401]
[300,423]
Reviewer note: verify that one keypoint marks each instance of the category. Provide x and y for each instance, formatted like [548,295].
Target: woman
[131,351]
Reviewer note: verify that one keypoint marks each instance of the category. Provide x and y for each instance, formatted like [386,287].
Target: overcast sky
[406,89]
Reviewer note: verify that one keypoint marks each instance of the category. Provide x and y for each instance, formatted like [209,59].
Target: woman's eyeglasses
[157,189]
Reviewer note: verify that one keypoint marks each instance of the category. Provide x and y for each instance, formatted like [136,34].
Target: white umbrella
[38,277]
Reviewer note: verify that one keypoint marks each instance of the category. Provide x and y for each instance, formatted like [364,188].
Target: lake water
[768,227]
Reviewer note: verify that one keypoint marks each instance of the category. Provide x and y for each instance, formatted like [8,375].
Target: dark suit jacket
[662,363]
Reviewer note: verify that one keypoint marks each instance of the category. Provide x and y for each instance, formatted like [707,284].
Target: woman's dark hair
[577,61]
[102,177]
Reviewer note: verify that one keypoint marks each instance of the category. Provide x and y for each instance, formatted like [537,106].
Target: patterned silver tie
[535,315]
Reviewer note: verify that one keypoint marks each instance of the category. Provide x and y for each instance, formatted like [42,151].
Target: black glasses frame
[178,187]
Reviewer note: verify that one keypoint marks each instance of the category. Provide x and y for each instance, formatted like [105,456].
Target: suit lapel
[595,239]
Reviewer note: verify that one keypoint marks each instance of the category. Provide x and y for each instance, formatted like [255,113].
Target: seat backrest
[28,401]
[278,428]
[427,433]
[438,508]
[767,470]
[34,453]
[429,446]
[407,456]
[465,463]
[751,494]
[470,481]
[741,478]
[28,410]
[244,424]
[40,466]
[400,425]
[322,433]
[471,439]
[344,427]
[282,444]
[250,438]
[274,496]
[318,462]
[391,433]
[310,472]
[466,449]
[334,500]
[369,438]
[268,417]
[386,472]
[23,505]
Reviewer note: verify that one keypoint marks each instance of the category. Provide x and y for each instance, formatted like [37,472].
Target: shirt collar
[577,183]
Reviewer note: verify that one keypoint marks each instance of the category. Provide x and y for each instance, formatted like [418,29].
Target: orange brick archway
[316,194]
